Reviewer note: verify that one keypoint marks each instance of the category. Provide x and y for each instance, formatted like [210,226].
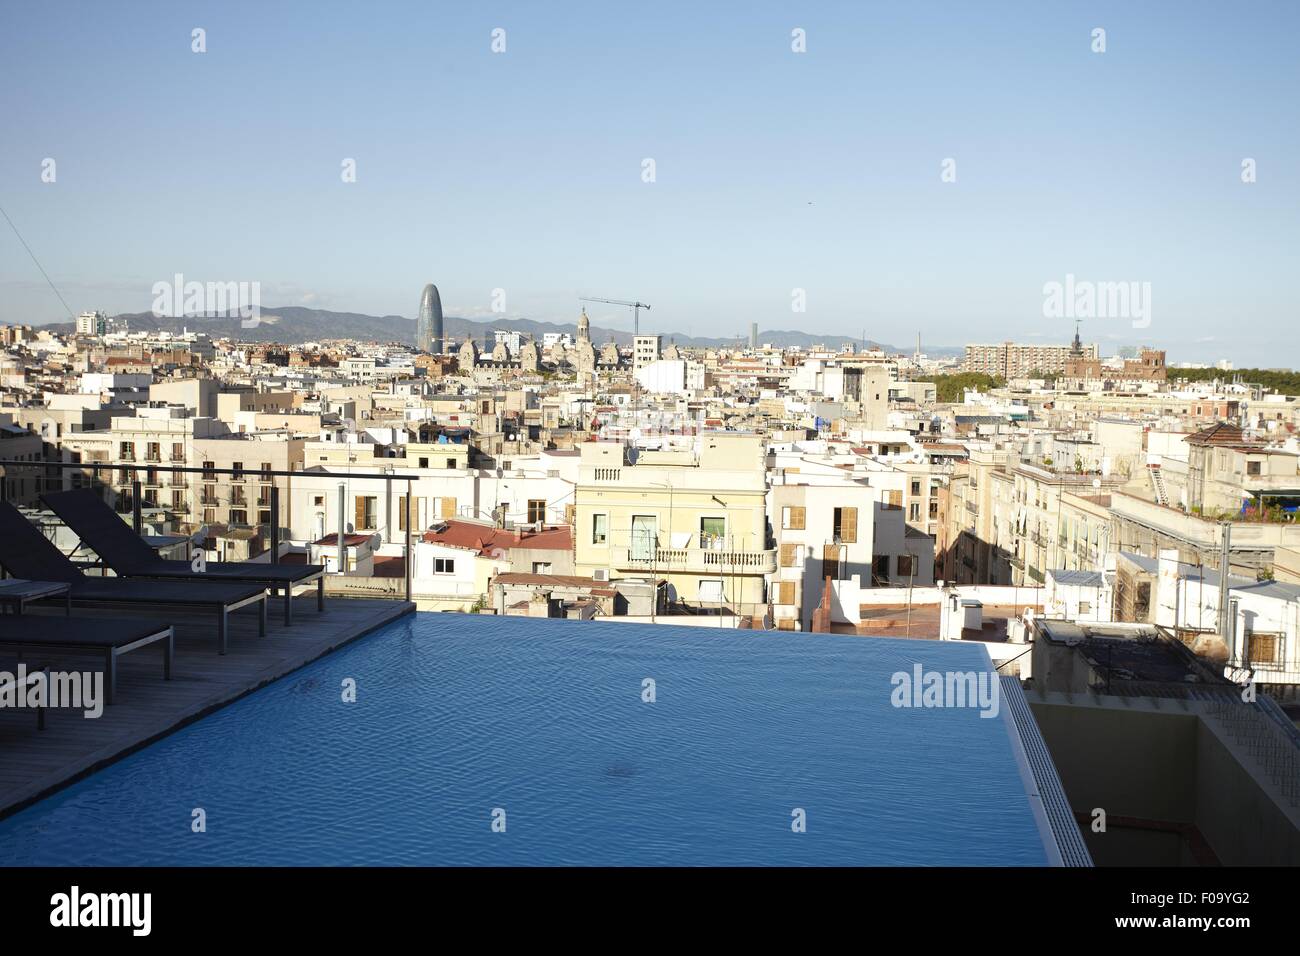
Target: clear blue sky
[775,170]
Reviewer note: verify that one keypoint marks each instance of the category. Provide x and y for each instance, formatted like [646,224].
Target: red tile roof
[349,540]
[486,540]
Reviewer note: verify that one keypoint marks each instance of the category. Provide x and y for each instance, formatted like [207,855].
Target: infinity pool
[458,716]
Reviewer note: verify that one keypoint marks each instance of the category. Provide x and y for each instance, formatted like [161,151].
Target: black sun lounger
[103,530]
[111,637]
[26,553]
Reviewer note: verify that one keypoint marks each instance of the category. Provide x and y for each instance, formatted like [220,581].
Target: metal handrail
[95,467]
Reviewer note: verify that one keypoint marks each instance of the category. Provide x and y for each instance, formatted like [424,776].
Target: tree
[949,388]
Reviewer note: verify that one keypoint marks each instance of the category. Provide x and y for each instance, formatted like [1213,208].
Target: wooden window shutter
[401,512]
[787,592]
[798,518]
[849,525]
[360,513]
[569,514]
[788,555]
[896,499]
[449,507]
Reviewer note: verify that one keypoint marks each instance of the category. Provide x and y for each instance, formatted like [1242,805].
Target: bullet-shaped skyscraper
[428,327]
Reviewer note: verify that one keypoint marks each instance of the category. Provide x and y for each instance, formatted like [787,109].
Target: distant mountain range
[293,325]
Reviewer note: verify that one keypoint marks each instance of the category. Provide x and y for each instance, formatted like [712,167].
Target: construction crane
[636,308]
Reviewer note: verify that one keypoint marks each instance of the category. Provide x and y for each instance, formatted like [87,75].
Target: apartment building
[645,349]
[1010,360]
[824,526]
[1038,542]
[695,519]
[242,499]
[152,443]
[1227,473]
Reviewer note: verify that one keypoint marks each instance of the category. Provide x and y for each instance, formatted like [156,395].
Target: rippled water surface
[457,716]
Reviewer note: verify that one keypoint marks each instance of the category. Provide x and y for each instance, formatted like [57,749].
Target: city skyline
[778,176]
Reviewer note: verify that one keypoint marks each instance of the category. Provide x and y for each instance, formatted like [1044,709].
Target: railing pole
[406,507]
[343,517]
[275,523]
[136,521]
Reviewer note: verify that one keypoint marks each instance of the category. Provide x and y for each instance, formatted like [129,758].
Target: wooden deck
[35,763]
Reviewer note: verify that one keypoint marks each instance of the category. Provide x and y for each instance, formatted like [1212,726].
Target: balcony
[696,561]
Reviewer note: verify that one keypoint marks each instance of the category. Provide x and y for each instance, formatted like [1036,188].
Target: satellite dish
[200,536]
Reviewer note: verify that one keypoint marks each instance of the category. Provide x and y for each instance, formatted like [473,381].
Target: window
[1263,648]
[264,517]
[599,529]
[785,592]
[541,567]
[153,451]
[845,529]
[451,462]
[914,511]
[444,565]
[178,451]
[126,451]
[238,468]
[209,471]
[536,510]
[906,565]
[266,471]
[712,530]
[710,590]
[880,566]
[1252,467]
[916,487]
[424,462]
[790,556]
[318,501]
[239,517]
[645,537]
[365,513]
[1085,607]
[794,518]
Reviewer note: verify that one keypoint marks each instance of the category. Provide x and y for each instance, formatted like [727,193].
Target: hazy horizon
[778,174]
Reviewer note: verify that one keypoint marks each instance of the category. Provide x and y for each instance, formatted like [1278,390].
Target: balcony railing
[695,560]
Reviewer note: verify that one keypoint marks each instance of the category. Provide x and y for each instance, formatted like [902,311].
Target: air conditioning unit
[600,574]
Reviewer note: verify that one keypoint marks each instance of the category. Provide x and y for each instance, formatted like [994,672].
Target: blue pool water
[458,715]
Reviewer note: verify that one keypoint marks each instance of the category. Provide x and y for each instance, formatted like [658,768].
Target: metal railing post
[343,517]
[136,521]
[406,508]
[275,523]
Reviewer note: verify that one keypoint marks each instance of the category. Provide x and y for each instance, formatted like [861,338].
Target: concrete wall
[1163,764]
